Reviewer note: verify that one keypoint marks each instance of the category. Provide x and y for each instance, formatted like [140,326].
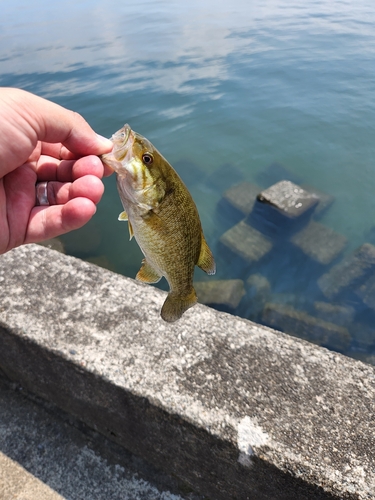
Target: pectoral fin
[131,234]
[206,260]
[175,305]
[147,273]
[123,216]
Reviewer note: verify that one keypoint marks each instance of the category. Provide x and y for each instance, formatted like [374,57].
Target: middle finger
[49,168]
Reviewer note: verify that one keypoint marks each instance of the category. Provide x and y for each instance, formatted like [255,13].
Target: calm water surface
[210,84]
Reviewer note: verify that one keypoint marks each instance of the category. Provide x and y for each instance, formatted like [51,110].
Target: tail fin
[175,305]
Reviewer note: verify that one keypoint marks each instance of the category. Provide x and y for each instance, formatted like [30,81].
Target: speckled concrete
[233,409]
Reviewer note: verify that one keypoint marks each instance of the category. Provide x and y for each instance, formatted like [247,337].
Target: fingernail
[104,140]
[102,137]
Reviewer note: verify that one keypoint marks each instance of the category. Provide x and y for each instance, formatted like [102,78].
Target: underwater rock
[319,242]
[324,200]
[349,273]
[282,208]
[303,325]
[258,290]
[224,295]
[334,313]
[245,243]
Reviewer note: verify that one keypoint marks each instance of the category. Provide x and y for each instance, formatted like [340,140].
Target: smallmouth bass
[162,217]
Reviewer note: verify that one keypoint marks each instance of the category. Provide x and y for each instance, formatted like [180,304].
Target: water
[213,84]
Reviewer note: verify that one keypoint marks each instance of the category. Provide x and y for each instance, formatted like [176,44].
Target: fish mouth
[121,146]
[122,135]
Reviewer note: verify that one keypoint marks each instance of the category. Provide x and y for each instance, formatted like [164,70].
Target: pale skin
[41,141]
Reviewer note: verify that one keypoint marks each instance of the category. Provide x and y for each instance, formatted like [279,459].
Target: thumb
[31,119]
[56,124]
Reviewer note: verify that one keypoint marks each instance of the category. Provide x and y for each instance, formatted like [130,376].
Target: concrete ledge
[233,409]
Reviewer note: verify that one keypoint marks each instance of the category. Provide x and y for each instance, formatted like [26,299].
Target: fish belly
[170,251]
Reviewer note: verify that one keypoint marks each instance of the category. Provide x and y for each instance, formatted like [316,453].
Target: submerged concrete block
[290,200]
[224,295]
[302,325]
[366,292]
[246,243]
[240,198]
[350,273]
[334,313]
[234,409]
[282,208]
[321,243]
[258,290]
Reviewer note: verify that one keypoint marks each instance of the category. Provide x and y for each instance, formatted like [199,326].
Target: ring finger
[59,193]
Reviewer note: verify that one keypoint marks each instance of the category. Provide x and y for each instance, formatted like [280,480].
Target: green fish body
[162,217]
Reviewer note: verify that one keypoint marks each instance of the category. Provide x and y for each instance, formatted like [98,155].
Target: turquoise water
[213,84]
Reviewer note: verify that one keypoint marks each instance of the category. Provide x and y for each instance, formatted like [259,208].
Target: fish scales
[166,224]
[163,218]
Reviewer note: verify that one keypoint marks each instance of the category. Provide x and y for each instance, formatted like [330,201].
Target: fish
[162,217]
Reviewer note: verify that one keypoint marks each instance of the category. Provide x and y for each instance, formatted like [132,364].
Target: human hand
[41,141]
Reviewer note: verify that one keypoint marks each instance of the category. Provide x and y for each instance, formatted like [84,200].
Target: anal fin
[206,260]
[147,273]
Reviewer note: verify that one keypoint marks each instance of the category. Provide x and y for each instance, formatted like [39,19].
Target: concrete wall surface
[233,409]
[46,454]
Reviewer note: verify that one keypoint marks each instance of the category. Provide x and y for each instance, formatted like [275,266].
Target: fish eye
[147,159]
